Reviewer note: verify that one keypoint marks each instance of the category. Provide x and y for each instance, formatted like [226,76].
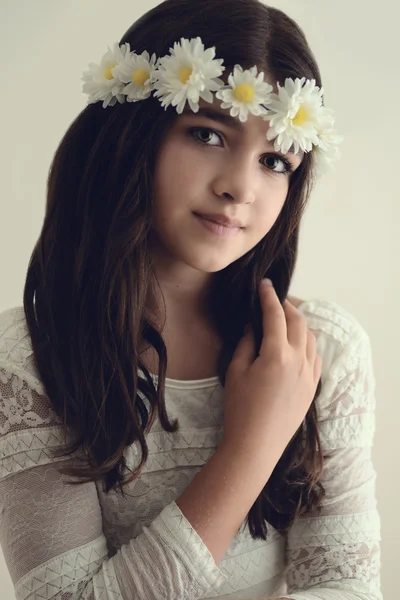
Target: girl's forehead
[216,107]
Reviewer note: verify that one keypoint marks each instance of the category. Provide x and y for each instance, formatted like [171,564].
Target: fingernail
[266,282]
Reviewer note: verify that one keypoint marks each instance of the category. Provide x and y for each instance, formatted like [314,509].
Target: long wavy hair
[90,273]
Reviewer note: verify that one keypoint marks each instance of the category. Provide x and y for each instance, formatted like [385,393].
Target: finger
[296,326]
[317,367]
[245,352]
[311,346]
[273,315]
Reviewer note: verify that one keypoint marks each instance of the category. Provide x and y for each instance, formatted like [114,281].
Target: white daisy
[297,112]
[136,70]
[187,74]
[327,151]
[245,93]
[100,83]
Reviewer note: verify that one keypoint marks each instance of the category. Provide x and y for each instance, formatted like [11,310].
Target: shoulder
[347,400]
[343,342]
[24,405]
[14,335]
[29,425]
[13,332]
[331,320]
[16,352]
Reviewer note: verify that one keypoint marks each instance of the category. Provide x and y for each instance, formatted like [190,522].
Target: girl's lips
[216,228]
[222,219]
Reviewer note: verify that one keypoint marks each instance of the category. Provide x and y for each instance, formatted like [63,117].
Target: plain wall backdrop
[349,248]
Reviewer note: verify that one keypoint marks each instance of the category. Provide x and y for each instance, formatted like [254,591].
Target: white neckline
[202,383]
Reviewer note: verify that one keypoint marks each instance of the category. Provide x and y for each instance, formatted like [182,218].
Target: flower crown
[190,72]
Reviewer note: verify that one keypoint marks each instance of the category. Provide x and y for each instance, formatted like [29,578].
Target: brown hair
[90,270]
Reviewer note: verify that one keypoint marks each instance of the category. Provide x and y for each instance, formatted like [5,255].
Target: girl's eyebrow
[225,119]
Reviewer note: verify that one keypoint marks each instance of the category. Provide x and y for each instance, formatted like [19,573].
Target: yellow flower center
[108,74]
[184,74]
[140,77]
[244,93]
[301,116]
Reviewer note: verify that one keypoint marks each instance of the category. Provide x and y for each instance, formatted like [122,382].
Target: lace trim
[352,431]
[345,590]
[355,568]
[176,530]
[55,575]
[265,564]
[16,342]
[29,448]
[105,584]
[335,530]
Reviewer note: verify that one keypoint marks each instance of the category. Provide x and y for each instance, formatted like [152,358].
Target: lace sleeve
[51,533]
[336,555]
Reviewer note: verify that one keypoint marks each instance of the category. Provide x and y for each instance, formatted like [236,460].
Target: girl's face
[206,166]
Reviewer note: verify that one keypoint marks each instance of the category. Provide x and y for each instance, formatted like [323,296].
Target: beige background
[349,247]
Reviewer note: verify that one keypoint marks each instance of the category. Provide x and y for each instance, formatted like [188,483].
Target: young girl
[153,447]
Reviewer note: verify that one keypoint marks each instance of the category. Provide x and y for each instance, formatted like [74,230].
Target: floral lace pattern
[76,542]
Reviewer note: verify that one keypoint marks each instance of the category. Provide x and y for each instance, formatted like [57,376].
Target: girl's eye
[288,167]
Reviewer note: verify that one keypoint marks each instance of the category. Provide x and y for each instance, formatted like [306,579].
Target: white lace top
[76,542]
